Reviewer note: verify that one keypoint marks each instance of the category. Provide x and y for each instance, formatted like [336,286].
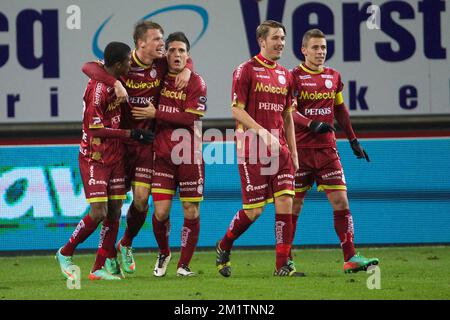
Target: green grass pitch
[406,273]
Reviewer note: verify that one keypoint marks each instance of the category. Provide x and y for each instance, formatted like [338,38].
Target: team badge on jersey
[281,79]
[328,83]
[153,73]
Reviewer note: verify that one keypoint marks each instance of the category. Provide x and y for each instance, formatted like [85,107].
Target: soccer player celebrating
[101,165]
[261,104]
[143,86]
[320,99]
[178,110]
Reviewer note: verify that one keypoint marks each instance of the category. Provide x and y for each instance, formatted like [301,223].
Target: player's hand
[270,140]
[120,91]
[358,151]
[148,112]
[182,79]
[320,127]
[143,136]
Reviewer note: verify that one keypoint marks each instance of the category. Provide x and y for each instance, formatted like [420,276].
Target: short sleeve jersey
[100,110]
[143,84]
[192,99]
[265,92]
[317,94]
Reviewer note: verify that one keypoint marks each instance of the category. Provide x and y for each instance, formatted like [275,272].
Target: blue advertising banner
[401,196]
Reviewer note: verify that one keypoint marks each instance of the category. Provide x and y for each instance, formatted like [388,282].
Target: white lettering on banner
[34,187]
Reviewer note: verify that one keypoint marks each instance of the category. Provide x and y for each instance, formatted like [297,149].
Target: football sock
[135,221]
[83,230]
[161,229]
[294,228]
[189,239]
[283,236]
[108,236]
[238,225]
[343,225]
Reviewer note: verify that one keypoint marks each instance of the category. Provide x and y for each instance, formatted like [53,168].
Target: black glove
[358,151]
[143,136]
[320,127]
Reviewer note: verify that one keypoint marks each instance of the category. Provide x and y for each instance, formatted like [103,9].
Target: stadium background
[398,96]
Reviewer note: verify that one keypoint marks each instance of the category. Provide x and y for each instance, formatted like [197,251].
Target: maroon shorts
[322,166]
[259,188]
[190,178]
[139,165]
[102,182]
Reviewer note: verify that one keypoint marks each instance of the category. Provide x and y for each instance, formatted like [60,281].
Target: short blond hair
[312,33]
[263,29]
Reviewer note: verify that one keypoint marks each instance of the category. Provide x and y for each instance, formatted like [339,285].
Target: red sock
[294,228]
[135,221]
[343,225]
[83,230]
[189,239]
[108,236]
[161,229]
[238,225]
[283,235]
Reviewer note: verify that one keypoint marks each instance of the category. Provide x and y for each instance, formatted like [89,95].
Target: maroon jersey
[317,94]
[263,90]
[192,99]
[143,84]
[100,110]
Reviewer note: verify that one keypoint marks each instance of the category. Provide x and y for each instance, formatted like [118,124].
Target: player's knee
[191,210]
[98,211]
[254,214]
[162,213]
[114,211]
[297,205]
[339,203]
[140,201]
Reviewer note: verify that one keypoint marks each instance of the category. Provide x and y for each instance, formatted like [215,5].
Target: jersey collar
[265,62]
[138,61]
[306,69]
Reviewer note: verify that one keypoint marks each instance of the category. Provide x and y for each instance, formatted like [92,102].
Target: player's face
[272,46]
[152,44]
[315,52]
[177,56]
[124,66]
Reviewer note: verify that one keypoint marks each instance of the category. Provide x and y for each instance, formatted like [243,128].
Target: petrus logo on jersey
[200,11]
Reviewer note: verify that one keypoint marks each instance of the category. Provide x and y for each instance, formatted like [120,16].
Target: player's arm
[240,88]
[343,119]
[95,105]
[95,71]
[290,136]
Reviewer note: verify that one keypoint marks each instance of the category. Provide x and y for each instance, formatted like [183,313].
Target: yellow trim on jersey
[139,63]
[310,71]
[98,199]
[303,189]
[141,184]
[324,187]
[339,99]
[118,197]
[96,126]
[172,75]
[200,113]
[283,192]
[237,104]
[163,191]
[191,199]
[290,109]
[265,64]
